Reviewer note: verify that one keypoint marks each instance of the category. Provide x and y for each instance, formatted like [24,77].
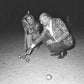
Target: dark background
[11,12]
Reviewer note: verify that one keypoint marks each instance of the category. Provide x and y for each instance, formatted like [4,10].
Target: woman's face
[30,20]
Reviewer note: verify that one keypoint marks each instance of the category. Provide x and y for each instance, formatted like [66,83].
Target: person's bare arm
[25,39]
[26,32]
[39,39]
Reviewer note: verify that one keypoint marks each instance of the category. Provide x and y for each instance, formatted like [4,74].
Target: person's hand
[29,51]
[49,42]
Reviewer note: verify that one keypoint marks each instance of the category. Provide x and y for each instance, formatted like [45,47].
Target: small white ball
[48,76]
[27,59]
[19,56]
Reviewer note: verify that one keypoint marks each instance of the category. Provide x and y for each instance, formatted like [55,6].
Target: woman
[31,30]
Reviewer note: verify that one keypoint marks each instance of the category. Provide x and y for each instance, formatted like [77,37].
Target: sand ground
[69,70]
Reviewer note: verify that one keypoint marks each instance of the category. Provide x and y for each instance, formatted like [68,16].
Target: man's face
[44,20]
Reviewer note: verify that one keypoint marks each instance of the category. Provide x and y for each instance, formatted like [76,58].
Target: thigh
[57,47]
[29,40]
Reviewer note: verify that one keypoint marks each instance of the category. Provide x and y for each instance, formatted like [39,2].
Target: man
[55,35]
[31,30]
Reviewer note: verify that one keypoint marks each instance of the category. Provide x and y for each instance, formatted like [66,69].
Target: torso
[57,27]
[54,30]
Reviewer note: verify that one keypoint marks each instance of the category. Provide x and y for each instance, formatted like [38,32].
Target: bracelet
[33,45]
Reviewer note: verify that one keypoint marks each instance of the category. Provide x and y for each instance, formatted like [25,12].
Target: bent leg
[57,48]
[29,41]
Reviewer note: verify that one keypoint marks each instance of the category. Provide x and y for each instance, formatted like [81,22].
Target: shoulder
[57,20]
[59,23]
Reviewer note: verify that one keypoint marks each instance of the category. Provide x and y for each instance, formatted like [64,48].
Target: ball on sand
[48,76]
[19,56]
[27,59]
[22,56]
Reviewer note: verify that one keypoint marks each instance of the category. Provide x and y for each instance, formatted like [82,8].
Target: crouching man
[55,35]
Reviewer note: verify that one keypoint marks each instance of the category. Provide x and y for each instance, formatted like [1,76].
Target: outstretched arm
[39,39]
[25,43]
[24,23]
[26,32]
[25,39]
